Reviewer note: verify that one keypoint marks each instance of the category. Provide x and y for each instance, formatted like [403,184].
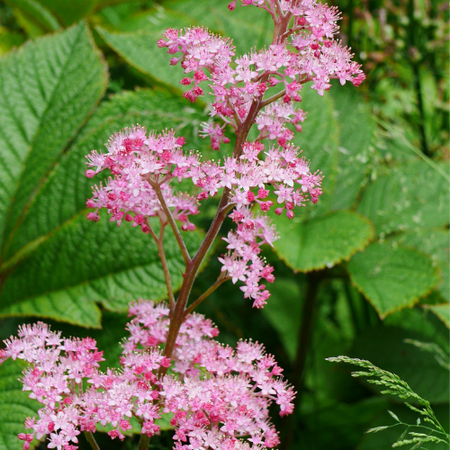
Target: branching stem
[173,225]
[91,439]
[222,278]
[159,241]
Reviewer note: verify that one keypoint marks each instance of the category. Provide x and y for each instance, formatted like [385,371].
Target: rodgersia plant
[218,396]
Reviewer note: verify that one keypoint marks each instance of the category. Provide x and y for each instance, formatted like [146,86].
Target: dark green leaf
[36,12]
[15,406]
[85,262]
[47,90]
[283,311]
[442,311]
[69,12]
[435,243]
[321,242]
[407,197]
[392,277]
[356,130]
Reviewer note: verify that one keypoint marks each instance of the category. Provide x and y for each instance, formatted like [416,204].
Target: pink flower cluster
[144,166]
[218,397]
[304,50]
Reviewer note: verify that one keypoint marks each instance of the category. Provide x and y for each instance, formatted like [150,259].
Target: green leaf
[392,277]
[140,50]
[247,26]
[321,242]
[86,262]
[418,368]
[35,12]
[356,132]
[9,40]
[319,147]
[47,89]
[442,311]
[69,12]
[407,197]
[15,406]
[435,243]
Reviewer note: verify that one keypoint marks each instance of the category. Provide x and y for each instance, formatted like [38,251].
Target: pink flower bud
[90,173]
[94,217]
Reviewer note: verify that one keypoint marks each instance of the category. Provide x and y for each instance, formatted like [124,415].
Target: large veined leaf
[434,242]
[15,406]
[55,263]
[407,197]
[319,141]
[47,90]
[86,262]
[321,242]
[392,277]
[356,129]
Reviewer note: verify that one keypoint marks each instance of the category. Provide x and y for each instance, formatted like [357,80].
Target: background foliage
[360,273]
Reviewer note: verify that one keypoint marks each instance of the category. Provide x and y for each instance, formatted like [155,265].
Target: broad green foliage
[377,241]
[319,147]
[14,406]
[356,130]
[48,89]
[407,197]
[392,277]
[435,242]
[442,311]
[322,242]
[85,263]
[35,14]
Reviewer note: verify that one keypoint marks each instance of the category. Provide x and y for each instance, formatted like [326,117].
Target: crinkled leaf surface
[392,277]
[356,130]
[435,243]
[409,196]
[57,264]
[323,241]
[15,406]
[319,141]
[47,90]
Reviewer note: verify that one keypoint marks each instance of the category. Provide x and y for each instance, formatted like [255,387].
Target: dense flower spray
[218,397]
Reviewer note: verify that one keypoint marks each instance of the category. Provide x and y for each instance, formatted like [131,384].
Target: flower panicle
[205,391]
